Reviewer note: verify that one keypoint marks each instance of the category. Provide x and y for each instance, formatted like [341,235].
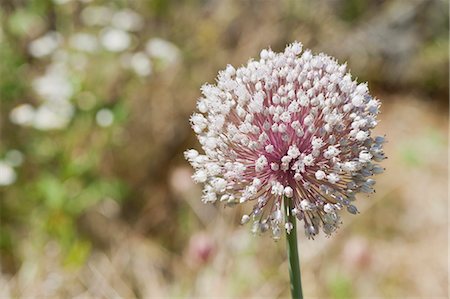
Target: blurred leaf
[77,254]
[340,287]
[410,156]
[436,138]
[121,112]
[60,226]
[351,10]
[52,191]
[5,239]
[160,7]
[23,22]
[11,87]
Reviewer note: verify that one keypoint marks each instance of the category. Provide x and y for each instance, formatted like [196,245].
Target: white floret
[320,175]
[364,156]
[200,176]
[261,163]
[288,191]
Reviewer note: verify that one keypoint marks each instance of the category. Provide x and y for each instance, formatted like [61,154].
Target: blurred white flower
[104,117]
[14,158]
[115,40]
[50,115]
[84,42]
[22,115]
[164,50]
[45,44]
[96,15]
[53,115]
[54,85]
[128,20]
[55,89]
[61,2]
[7,174]
[140,63]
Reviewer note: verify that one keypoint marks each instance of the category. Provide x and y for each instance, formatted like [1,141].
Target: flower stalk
[292,251]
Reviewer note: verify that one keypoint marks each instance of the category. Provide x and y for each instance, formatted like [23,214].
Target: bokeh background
[96,198]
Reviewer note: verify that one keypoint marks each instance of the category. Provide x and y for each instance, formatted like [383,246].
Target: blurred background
[96,198]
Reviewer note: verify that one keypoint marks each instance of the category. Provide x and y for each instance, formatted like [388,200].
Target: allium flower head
[291,125]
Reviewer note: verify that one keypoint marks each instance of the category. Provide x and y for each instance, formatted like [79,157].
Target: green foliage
[416,152]
[63,173]
[11,87]
[351,10]
[340,287]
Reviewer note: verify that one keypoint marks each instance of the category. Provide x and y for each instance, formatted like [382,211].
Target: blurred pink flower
[357,254]
[180,180]
[200,249]
[287,125]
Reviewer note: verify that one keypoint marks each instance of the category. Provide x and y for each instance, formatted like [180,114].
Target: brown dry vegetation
[157,240]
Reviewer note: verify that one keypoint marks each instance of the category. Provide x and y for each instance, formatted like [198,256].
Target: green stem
[292,251]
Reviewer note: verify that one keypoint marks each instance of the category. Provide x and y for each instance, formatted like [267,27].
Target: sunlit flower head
[290,125]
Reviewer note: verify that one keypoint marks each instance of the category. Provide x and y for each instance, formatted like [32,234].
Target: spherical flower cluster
[291,125]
